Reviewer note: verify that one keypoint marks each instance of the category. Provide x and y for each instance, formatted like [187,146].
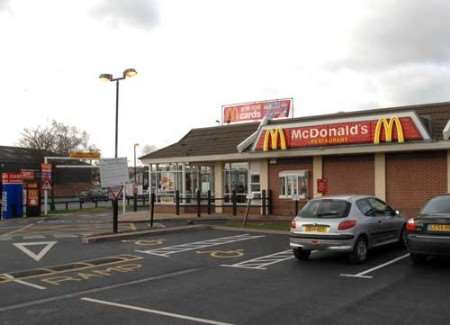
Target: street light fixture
[127,73]
[106,77]
[135,178]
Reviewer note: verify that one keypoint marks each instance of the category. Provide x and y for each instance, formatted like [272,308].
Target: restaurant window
[293,183]
[198,178]
[186,178]
[236,179]
[166,182]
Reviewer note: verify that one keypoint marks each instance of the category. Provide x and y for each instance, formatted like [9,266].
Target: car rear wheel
[360,251]
[301,254]
[417,258]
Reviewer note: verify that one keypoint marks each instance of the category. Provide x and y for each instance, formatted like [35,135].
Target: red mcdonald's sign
[380,129]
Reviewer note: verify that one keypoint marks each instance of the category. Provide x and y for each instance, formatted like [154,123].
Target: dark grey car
[349,223]
[429,232]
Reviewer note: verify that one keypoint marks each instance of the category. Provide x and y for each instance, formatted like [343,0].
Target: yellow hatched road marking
[223,254]
[6,277]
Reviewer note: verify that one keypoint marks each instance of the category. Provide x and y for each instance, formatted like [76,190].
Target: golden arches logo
[271,139]
[388,127]
[230,114]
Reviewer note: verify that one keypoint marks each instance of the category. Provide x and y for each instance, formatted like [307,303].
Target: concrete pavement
[144,216]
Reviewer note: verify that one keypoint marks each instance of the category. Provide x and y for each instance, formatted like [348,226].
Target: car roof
[446,195]
[346,197]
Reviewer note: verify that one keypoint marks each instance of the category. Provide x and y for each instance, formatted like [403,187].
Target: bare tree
[56,137]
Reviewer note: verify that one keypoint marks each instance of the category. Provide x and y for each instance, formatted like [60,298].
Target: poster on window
[167,183]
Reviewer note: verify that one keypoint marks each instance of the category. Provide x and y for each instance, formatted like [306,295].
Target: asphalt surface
[212,277]
[63,226]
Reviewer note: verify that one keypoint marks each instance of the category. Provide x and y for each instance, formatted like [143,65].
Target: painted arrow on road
[48,245]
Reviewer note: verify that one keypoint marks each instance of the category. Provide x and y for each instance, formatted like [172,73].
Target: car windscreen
[438,205]
[325,208]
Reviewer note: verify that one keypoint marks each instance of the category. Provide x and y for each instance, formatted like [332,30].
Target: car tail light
[411,225]
[347,224]
[293,224]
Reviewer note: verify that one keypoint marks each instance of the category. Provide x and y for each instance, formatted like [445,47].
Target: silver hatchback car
[351,224]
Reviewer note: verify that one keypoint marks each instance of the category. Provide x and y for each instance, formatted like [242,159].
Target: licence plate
[439,228]
[316,228]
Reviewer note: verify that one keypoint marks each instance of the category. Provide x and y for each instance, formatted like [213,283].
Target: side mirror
[391,212]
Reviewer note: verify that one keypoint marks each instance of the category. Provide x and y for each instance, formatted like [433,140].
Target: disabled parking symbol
[223,253]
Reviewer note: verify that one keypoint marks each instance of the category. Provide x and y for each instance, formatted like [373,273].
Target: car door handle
[380,221]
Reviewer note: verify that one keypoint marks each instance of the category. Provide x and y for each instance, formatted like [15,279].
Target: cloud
[136,13]
[401,32]
[3,4]
[414,84]
[401,51]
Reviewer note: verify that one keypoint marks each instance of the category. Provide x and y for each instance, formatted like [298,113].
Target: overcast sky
[194,56]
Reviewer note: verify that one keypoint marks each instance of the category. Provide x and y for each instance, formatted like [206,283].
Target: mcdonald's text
[383,130]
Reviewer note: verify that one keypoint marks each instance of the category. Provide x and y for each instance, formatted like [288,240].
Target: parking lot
[212,277]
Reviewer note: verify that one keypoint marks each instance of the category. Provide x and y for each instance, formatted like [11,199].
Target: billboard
[383,129]
[93,155]
[256,111]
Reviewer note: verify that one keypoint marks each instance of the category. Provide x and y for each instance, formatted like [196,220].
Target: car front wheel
[301,254]
[360,251]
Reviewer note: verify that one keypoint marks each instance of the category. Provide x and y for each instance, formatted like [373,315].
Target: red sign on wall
[11,178]
[27,174]
[322,185]
[256,111]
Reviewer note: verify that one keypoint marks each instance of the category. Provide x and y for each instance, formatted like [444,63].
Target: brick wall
[71,189]
[285,207]
[241,211]
[413,178]
[349,174]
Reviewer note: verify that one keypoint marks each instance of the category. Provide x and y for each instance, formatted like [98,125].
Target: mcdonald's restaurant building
[399,154]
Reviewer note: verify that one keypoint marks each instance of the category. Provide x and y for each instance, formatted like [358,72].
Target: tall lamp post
[127,73]
[135,178]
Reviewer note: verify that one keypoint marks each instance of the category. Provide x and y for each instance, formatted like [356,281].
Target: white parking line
[364,275]
[166,251]
[13,279]
[65,236]
[154,311]
[18,230]
[33,237]
[260,263]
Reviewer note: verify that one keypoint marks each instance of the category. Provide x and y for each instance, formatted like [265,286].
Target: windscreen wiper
[327,214]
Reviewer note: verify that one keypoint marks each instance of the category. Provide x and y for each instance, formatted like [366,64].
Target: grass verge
[273,225]
[78,211]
